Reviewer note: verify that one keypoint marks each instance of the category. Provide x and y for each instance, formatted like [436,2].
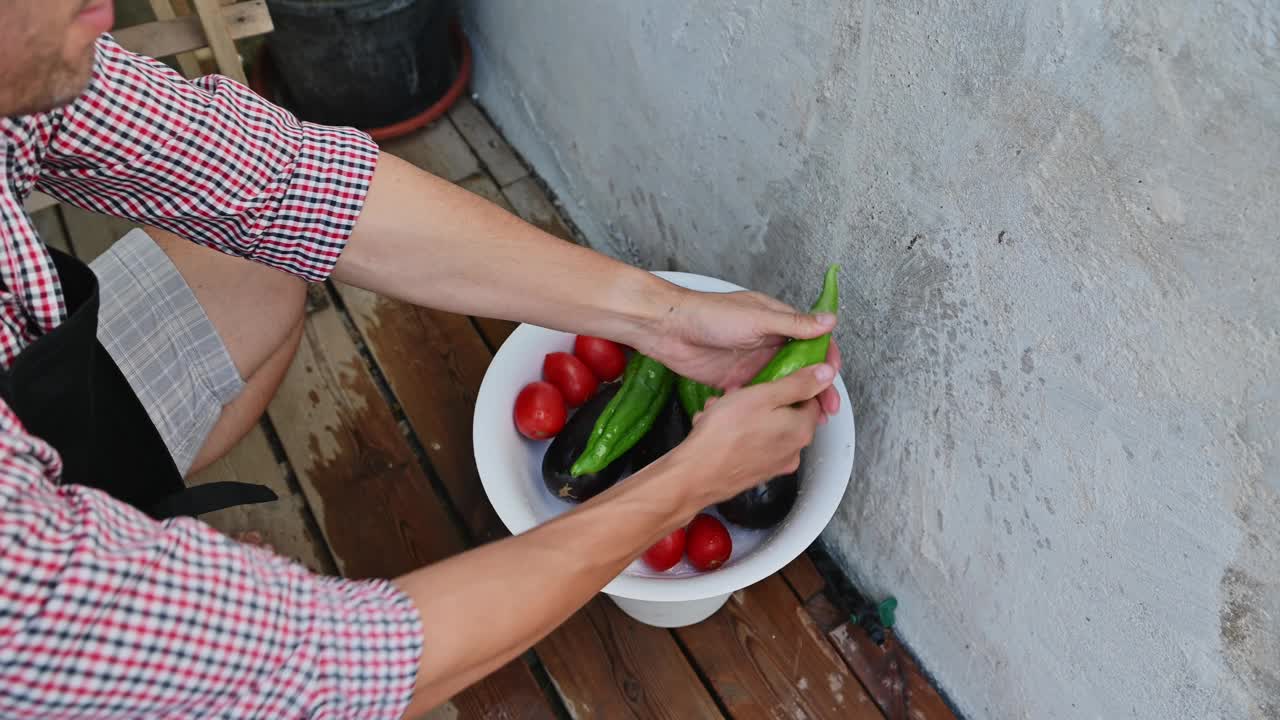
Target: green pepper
[798,354]
[646,388]
[694,395]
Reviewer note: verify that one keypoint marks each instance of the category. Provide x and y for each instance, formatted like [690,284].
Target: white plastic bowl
[510,470]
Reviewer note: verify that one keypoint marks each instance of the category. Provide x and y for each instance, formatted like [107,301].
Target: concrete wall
[1060,223]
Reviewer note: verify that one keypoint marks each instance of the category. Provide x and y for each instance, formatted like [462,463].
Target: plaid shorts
[165,345]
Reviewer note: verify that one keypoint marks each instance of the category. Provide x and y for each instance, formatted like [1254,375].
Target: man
[150,365]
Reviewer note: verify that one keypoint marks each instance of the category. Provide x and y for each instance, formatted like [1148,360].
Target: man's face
[46,51]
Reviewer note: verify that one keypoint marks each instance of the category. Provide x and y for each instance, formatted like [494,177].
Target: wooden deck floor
[368,445]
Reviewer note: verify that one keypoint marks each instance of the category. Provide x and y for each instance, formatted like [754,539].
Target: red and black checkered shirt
[105,613]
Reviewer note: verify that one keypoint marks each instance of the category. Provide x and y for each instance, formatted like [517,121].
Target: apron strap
[201,499]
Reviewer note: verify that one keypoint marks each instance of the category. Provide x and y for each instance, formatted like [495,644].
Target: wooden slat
[803,577]
[48,224]
[494,152]
[434,362]
[374,504]
[218,36]
[90,233]
[369,495]
[825,613]
[889,673]
[608,666]
[765,659]
[285,524]
[185,34]
[532,204]
[187,62]
[438,149]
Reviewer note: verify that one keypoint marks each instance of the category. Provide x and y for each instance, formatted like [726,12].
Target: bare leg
[258,312]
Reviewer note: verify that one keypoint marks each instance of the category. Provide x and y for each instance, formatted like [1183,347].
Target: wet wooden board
[439,149]
[373,502]
[891,675]
[489,145]
[434,363]
[371,498]
[286,524]
[803,577]
[532,204]
[608,666]
[765,659]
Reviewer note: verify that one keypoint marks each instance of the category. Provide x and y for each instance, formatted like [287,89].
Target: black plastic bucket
[363,63]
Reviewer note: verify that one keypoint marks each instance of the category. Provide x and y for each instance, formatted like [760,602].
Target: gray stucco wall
[1059,223]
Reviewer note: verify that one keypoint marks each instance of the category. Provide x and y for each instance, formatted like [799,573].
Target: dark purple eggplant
[763,506]
[570,443]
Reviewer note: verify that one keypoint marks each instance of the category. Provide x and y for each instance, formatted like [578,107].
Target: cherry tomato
[540,411]
[605,357]
[571,377]
[708,544]
[666,552]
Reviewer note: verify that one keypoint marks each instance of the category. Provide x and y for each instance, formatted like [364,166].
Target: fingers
[795,324]
[830,399]
[800,386]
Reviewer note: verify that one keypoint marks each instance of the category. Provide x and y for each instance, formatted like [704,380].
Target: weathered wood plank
[375,507]
[374,504]
[532,204]
[187,63]
[49,227]
[494,152]
[217,36]
[893,678]
[765,659]
[184,34]
[434,362]
[90,233]
[285,524]
[803,577]
[606,665]
[439,149]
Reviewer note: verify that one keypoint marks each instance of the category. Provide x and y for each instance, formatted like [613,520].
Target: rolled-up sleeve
[208,160]
[105,613]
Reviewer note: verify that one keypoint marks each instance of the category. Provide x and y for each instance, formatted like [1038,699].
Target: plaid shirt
[105,613]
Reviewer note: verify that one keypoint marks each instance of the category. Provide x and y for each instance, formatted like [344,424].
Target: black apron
[67,390]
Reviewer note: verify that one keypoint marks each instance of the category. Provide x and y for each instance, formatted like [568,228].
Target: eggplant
[668,431]
[763,506]
[570,443]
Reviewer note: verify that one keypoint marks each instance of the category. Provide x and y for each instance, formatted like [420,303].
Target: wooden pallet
[375,471]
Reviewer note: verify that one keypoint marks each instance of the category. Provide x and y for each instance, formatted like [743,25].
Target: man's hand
[724,339]
[753,434]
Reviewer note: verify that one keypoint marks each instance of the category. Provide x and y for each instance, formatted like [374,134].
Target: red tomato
[540,411]
[666,552]
[571,377]
[605,357]
[708,544]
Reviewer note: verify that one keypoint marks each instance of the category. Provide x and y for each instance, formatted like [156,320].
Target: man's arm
[429,242]
[484,607]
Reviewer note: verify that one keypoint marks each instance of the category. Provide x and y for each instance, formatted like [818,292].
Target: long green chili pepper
[798,354]
[694,395]
[646,387]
